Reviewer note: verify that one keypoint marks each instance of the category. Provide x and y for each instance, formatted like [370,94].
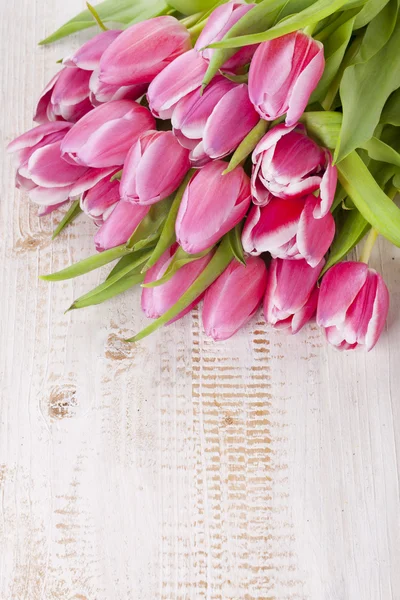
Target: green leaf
[125,261]
[71,214]
[352,228]
[378,150]
[334,49]
[364,89]
[88,264]
[312,14]
[323,126]
[369,12]
[378,32]
[121,281]
[149,229]
[215,267]
[391,112]
[167,237]
[114,11]
[247,145]
[234,237]
[179,260]
[375,206]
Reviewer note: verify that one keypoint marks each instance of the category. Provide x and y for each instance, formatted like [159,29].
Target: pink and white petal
[47,210]
[305,84]
[89,179]
[296,280]
[49,196]
[120,225]
[327,190]
[314,236]
[36,135]
[306,312]
[271,138]
[46,168]
[88,55]
[379,314]
[41,113]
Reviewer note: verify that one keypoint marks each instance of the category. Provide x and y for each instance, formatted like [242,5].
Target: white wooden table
[265,467]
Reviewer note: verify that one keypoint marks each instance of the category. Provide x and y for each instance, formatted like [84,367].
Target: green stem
[247,145]
[369,244]
[196,30]
[191,20]
[96,17]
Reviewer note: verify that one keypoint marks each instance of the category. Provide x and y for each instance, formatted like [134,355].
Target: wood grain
[262,468]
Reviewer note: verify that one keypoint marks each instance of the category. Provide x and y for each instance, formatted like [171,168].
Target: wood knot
[62,401]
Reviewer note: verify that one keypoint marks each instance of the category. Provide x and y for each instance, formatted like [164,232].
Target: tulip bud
[288,229]
[65,97]
[88,56]
[178,79]
[353,306]
[218,24]
[119,225]
[103,137]
[212,125]
[292,294]
[283,74]
[212,205]
[100,200]
[104,92]
[289,164]
[231,301]
[157,300]
[154,168]
[143,50]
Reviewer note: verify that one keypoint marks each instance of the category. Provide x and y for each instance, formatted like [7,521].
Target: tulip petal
[314,236]
[120,225]
[303,87]
[46,196]
[327,189]
[379,314]
[88,56]
[306,313]
[46,167]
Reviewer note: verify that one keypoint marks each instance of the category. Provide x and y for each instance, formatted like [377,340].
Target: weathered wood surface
[261,468]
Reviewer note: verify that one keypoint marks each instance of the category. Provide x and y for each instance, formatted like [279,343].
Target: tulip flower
[99,201]
[88,56]
[353,305]
[104,92]
[143,50]
[212,125]
[283,74]
[42,172]
[119,225]
[231,301]
[184,75]
[157,300]
[292,294]
[66,97]
[288,229]
[154,168]
[212,205]
[103,137]
[218,24]
[289,164]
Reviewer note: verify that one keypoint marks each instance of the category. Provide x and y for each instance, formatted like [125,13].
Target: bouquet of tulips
[229,152]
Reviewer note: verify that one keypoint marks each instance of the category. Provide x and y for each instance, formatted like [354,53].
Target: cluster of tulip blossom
[125,120]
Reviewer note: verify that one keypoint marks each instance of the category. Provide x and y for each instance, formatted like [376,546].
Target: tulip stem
[191,20]
[196,30]
[96,17]
[369,244]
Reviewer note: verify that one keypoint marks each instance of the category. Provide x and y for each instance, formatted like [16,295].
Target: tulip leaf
[334,49]
[71,214]
[217,265]
[364,90]
[88,264]
[125,261]
[167,237]
[110,11]
[323,126]
[391,112]
[368,12]
[378,150]
[235,240]
[247,145]
[121,281]
[374,205]
[378,32]
[179,260]
[150,227]
[310,15]
[349,232]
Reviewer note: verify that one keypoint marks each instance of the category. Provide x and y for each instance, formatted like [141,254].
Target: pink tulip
[119,225]
[289,164]
[283,74]
[156,301]
[66,97]
[143,50]
[154,168]
[292,294]
[184,75]
[211,206]
[288,229]
[212,125]
[99,201]
[353,305]
[218,24]
[103,137]
[42,172]
[104,92]
[88,56]
[231,301]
